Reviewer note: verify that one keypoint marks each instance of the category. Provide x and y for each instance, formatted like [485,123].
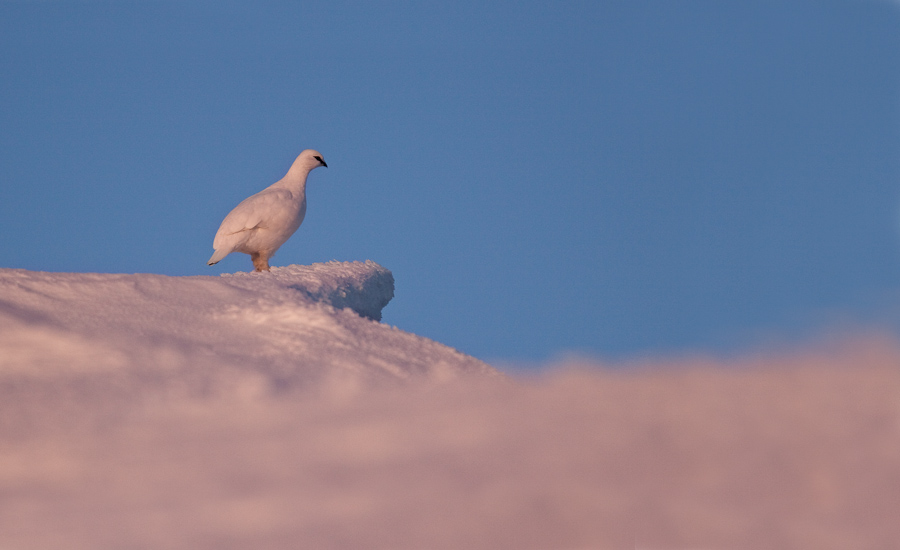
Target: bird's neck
[295,180]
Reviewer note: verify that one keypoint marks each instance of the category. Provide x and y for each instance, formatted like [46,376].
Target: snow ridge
[296,326]
[364,287]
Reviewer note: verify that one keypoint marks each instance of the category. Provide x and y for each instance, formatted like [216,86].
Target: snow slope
[263,411]
[284,328]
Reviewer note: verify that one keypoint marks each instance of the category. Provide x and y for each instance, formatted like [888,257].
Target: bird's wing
[251,213]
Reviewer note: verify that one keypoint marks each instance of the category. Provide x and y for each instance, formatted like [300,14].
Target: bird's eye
[318,158]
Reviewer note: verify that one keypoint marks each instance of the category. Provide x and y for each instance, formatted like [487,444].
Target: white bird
[261,223]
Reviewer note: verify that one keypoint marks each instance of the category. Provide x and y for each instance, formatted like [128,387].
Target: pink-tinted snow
[140,411]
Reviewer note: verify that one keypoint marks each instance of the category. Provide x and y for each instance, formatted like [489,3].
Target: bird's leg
[260,261]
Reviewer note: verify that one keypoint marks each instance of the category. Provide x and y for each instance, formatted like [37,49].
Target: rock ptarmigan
[261,223]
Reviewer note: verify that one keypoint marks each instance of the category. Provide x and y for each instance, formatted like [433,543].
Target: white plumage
[261,223]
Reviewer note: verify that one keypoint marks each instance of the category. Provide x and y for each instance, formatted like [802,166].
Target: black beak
[321,161]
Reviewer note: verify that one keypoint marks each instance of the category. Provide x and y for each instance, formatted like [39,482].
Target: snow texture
[291,326]
[263,411]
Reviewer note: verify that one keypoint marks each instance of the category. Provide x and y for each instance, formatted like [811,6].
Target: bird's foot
[260,262]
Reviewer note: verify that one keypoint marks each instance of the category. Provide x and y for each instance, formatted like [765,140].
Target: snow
[292,326]
[272,410]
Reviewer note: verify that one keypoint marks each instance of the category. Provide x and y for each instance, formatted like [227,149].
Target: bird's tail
[218,255]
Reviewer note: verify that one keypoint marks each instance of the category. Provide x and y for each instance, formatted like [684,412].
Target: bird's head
[310,159]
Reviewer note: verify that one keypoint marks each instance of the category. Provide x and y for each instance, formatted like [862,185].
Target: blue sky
[606,178]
